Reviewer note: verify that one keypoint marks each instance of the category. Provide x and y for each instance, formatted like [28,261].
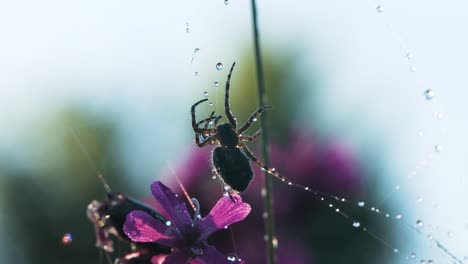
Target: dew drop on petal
[67,239]
[361,203]
[419,223]
[196,250]
[219,66]
[379,9]
[356,224]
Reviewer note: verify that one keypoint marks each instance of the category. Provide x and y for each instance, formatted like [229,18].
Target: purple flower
[185,235]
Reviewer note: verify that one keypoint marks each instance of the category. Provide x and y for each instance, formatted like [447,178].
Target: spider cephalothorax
[231,158]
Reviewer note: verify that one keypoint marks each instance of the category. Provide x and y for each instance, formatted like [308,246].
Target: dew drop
[330,205]
[337,210]
[413,255]
[306,188]
[395,250]
[430,261]
[419,199]
[216,84]
[219,66]
[255,119]
[187,29]
[274,241]
[356,224]
[213,177]
[429,94]
[226,227]
[422,261]
[413,68]
[67,239]
[440,116]
[211,104]
[429,237]
[196,250]
[205,94]
[419,223]
[168,223]
[231,258]
[265,215]
[379,9]
[361,203]
[226,2]
[398,216]
[289,183]
[196,50]
[438,148]
[409,55]
[450,234]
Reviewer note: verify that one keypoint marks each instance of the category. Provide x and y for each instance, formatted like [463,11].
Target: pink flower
[187,236]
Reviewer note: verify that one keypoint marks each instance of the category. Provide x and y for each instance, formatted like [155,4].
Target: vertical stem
[268,190]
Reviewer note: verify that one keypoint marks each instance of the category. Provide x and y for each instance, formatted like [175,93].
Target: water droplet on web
[196,73]
[419,199]
[289,183]
[216,84]
[255,119]
[187,29]
[361,203]
[429,94]
[398,216]
[211,104]
[330,205]
[379,9]
[420,223]
[219,66]
[67,239]
[413,68]
[231,258]
[440,116]
[438,148]
[337,210]
[409,55]
[395,250]
[168,223]
[422,261]
[213,177]
[205,94]
[413,255]
[306,188]
[265,215]
[430,261]
[356,224]
[450,234]
[226,2]
[275,242]
[429,237]
[196,50]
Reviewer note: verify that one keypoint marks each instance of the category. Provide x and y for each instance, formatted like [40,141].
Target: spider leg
[227,107]
[207,120]
[251,138]
[253,117]
[216,120]
[205,142]
[264,167]
[194,122]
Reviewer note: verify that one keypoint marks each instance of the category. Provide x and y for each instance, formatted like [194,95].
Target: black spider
[231,158]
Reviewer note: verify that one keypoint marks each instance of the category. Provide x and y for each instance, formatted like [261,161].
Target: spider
[231,157]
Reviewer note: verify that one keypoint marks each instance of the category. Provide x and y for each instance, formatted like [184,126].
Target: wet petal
[224,213]
[177,257]
[176,209]
[142,227]
[211,255]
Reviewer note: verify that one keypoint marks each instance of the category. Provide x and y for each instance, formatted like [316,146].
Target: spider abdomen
[233,167]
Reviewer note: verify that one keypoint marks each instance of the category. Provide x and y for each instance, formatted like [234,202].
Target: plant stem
[268,190]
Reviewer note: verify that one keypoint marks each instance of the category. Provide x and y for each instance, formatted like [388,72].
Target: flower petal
[224,213]
[177,257]
[142,227]
[176,210]
[211,255]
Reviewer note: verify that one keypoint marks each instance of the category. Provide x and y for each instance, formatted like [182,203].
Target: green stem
[268,190]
